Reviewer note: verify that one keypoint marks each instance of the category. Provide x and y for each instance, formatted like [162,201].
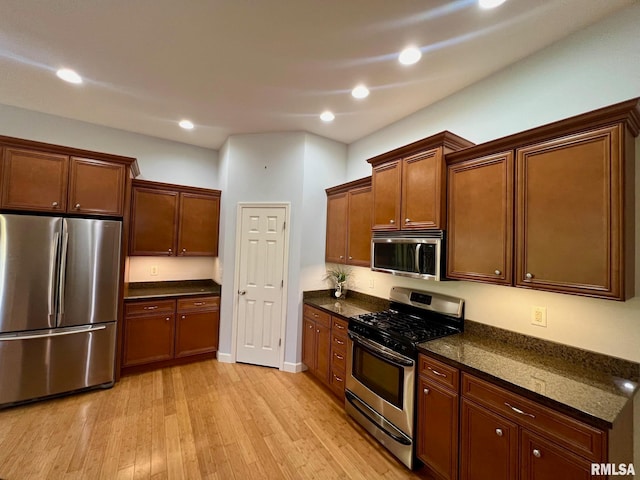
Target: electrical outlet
[371,283]
[538,385]
[539,316]
[154,270]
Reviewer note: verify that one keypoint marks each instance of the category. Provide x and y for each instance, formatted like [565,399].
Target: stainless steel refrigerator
[59,280]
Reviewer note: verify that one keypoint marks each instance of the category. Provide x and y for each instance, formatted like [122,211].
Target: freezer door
[89,271]
[28,271]
[49,362]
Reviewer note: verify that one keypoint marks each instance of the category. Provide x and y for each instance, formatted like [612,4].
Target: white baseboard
[225,358]
[294,367]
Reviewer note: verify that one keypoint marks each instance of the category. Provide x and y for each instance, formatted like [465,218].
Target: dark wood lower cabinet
[159,332]
[542,459]
[489,445]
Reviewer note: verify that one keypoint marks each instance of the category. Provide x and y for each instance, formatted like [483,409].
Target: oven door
[383,380]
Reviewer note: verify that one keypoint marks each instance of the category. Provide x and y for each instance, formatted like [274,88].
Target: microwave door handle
[418,248]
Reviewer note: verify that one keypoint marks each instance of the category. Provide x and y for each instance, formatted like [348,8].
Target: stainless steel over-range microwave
[418,254]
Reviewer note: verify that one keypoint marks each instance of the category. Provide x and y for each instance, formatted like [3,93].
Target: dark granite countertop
[586,385]
[354,304]
[589,386]
[181,288]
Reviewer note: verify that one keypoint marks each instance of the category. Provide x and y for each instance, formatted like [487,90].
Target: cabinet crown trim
[170,186]
[345,187]
[443,139]
[627,113]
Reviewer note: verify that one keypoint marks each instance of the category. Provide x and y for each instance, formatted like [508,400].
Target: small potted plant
[338,276]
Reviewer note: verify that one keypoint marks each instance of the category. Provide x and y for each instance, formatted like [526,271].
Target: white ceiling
[246,66]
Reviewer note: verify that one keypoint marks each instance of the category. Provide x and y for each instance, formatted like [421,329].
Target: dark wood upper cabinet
[387,187]
[42,177]
[173,220]
[153,221]
[34,180]
[480,221]
[349,223]
[570,203]
[336,243]
[409,184]
[198,224]
[96,187]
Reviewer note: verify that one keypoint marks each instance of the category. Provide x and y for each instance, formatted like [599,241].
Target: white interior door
[261,267]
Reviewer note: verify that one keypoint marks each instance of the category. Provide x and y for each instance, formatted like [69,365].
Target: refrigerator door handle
[52,274]
[63,275]
[51,333]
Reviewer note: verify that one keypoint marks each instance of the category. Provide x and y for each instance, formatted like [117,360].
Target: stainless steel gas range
[381,363]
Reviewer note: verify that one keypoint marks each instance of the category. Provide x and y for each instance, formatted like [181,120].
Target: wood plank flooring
[205,420]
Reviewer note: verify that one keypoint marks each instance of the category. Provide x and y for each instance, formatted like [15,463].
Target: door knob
[242,292]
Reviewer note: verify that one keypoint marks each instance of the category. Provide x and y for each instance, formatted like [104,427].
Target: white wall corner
[294,367]
[225,358]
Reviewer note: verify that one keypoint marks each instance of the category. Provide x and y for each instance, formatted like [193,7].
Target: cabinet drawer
[339,325]
[338,360]
[317,315]
[577,436]
[338,342]
[149,307]
[198,303]
[438,372]
[337,382]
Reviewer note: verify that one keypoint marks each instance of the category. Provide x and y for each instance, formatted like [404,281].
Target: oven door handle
[386,354]
[376,419]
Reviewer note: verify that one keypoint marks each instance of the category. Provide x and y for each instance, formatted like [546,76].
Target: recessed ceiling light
[69,75]
[327,116]
[186,124]
[409,56]
[360,92]
[490,3]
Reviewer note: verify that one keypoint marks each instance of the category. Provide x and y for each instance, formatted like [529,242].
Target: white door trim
[236,274]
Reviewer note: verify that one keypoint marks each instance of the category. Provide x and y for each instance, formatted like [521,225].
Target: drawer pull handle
[537,453]
[339,327]
[518,411]
[338,356]
[197,304]
[426,391]
[338,378]
[339,342]
[153,307]
[499,432]
[435,372]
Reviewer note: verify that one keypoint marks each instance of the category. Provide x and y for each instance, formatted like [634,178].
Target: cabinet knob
[184,249]
[528,276]
[392,221]
[167,319]
[537,453]
[426,391]
[499,432]
[170,250]
[77,206]
[350,258]
[54,204]
[183,317]
[497,272]
[318,331]
[310,326]
[407,220]
[341,257]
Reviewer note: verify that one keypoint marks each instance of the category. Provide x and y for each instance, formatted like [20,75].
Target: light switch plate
[154,270]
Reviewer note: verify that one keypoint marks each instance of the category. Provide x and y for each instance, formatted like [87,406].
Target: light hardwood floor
[206,420]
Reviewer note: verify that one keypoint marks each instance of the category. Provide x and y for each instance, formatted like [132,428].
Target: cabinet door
[323,352]
[34,180]
[196,332]
[199,225]
[309,344]
[359,227]
[386,180]
[154,222]
[480,219]
[336,247]
[568,214]
[148,339]
[542,460]
[96,187]
[437,429]
[423,189]
[488,445]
